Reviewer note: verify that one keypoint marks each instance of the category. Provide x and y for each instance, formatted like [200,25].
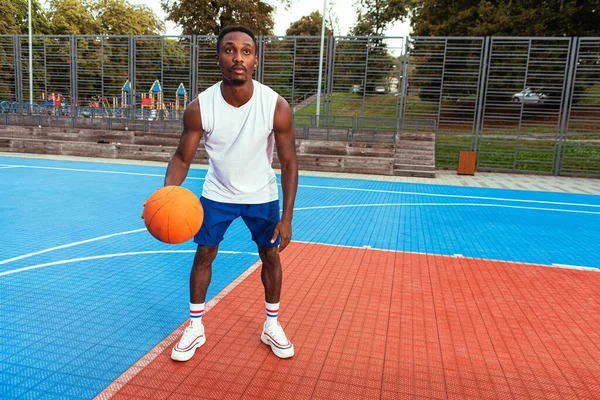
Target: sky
[343,9]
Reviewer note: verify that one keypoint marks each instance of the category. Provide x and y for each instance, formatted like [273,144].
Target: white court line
[448,205]
[133,253]
[453,196]
[347,188]
[8,166]
[99,171]
[64,246]
[317,208]
[577,267]
[565,266]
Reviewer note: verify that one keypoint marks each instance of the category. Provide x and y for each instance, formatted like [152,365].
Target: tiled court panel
[371,324]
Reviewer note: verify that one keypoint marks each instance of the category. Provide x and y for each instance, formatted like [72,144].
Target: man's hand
[283,229]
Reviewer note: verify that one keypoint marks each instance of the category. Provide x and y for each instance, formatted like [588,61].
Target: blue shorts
[261,219]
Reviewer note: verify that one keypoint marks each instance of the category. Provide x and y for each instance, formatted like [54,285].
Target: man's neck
[237,96]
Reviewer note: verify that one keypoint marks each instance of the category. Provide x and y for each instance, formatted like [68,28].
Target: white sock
[272,312]
[196,311]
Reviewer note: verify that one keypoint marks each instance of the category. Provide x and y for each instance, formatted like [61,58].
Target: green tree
[8,25]
[14,20]
[8,22]
[39,18]
[306,57]
[68,17]
[374,16]
[308,25]
[209,17]
[117,17]
[506,18]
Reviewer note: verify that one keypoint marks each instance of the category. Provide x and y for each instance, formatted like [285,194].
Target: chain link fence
[523,104]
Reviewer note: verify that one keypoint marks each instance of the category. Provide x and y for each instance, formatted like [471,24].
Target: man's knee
[269,257]
[205,255]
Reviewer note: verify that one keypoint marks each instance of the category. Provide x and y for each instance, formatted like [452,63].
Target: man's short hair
[240,28]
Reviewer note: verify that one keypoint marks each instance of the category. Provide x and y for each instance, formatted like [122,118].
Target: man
[241,120]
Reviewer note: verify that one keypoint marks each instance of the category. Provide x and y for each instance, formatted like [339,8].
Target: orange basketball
[173,214]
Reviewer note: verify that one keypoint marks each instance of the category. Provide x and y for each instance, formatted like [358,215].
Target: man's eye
[246,51]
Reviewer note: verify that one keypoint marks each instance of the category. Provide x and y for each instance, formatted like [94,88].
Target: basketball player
[241,121]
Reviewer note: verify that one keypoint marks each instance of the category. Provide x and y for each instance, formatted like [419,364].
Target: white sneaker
[274,336]
[192,338]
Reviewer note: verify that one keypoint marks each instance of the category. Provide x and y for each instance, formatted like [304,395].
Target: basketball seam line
[159,208]
[162,197]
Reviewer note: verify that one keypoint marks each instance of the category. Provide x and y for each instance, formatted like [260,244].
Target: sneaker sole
[281,353]
[177,355]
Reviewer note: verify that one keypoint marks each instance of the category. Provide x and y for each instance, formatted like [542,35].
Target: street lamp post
[321,61]
[30,60]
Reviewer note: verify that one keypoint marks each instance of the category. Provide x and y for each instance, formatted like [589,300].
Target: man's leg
[271,275]
[200,276]
[262,219]
[201,273]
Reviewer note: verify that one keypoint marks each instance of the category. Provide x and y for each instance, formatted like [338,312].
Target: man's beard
[238,82]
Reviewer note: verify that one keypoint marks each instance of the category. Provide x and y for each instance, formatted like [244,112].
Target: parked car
[529,95]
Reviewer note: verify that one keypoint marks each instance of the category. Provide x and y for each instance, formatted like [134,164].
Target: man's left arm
[286,151]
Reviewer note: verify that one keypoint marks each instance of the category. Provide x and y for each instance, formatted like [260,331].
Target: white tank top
[239,142]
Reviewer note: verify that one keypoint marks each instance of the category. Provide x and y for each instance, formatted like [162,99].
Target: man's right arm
[188,144]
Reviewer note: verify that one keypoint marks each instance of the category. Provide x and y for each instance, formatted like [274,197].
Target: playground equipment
[154,99]
[124,96]
[54,103]
[180,92]
[52,99]
[150,105]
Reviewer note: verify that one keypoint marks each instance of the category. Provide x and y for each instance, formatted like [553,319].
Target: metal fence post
[566,104]
[45,57]
[329,86]
[481,92]
[162,61]
[404,87]
[293,75]
[74,97]
[102,66]
[194,67]
[400,86]
[334,54]
[131,94]
[516,154]
[261,60]
[439,113]
[18,73]
[362,112]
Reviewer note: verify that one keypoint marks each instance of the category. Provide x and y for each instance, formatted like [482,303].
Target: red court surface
[372,324]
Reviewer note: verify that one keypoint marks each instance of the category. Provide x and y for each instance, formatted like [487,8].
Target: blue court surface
[85,291]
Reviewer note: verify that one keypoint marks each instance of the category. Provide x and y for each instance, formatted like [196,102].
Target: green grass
[350,105]
[532,155]
[497,147]
[581,157]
